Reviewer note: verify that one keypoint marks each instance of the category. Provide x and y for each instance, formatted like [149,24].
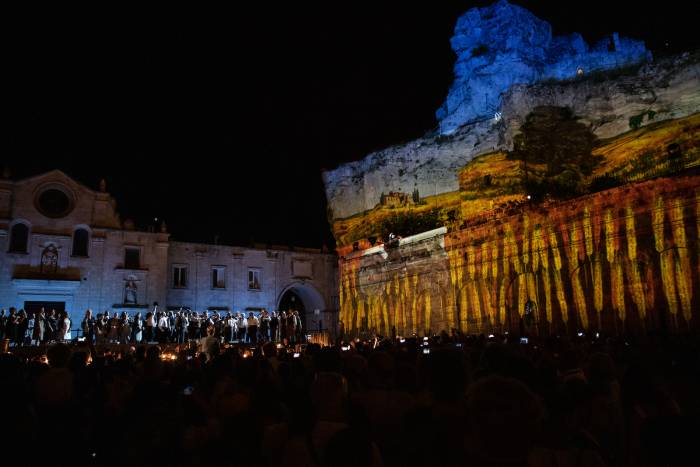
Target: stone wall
[98,280]
[311,276]
[276,269]
[621,260]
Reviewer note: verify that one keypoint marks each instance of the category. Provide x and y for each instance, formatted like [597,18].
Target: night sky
[221,121]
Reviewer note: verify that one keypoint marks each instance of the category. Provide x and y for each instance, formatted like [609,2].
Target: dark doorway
[34,307]
[291,301]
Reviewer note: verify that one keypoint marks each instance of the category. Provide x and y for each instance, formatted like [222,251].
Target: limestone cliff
[610,102]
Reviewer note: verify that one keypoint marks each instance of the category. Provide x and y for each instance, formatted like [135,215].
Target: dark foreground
[480,401]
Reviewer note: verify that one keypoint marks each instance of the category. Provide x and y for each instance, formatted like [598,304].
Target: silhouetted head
[504,417]
[58,355]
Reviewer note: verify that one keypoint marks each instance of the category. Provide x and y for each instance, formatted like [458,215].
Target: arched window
[80,242]
[19,237]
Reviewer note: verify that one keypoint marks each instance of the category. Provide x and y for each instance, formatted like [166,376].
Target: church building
[64,246]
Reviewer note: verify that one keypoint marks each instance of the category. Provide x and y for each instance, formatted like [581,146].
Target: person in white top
[230,327]
[240,322]
[163,328]
[64,327]
[209,345]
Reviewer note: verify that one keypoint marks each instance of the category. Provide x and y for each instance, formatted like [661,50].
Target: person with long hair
[39,327]
[99,328]
[291,327]
[137,329]
[283,327]
[264,325]
[64,333]
[124,328]
[150,326]
[22,326]
[88,326]
[51,326]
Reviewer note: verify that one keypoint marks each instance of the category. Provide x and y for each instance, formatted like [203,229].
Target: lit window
[179,277]
[254,279]
[218,274]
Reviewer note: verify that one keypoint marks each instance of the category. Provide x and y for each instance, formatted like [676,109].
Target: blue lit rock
[502,45]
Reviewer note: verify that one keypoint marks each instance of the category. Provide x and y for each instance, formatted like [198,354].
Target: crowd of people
[181,326]
[443,401]
[22,328]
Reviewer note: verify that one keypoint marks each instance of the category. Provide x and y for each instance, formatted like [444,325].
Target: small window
[179,277]
[19,238]
[218,274]
[253,279]
[80,242]
[132,258]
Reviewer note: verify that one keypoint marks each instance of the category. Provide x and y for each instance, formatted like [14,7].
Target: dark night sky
[220,121]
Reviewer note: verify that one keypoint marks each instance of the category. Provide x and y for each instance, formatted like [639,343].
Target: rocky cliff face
[428,164]
[610,104]
[669,89]
[503,45]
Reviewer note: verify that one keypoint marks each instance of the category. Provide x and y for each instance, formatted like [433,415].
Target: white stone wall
[275,266]
[98,281]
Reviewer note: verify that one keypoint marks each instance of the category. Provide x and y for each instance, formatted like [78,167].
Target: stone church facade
[64,246]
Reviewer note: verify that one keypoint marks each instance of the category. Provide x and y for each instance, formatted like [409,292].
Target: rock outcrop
[609,104]
[502,45]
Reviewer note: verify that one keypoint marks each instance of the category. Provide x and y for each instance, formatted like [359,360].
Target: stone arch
[463,306]
[477,311]
[431,313]
[518,296]
[80,245]
[420,325]
[20,233]
[380,305]
[373,299]
[677,284]
[311,300]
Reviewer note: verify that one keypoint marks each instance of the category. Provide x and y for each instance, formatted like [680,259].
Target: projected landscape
[575,206]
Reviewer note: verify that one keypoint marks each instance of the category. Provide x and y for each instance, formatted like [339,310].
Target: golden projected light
[605,256]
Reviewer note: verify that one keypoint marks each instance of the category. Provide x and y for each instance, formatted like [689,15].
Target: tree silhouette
[416,196]
[554,136]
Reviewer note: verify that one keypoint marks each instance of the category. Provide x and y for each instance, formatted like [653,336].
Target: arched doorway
[291,301]
[305,299]
[522,303]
